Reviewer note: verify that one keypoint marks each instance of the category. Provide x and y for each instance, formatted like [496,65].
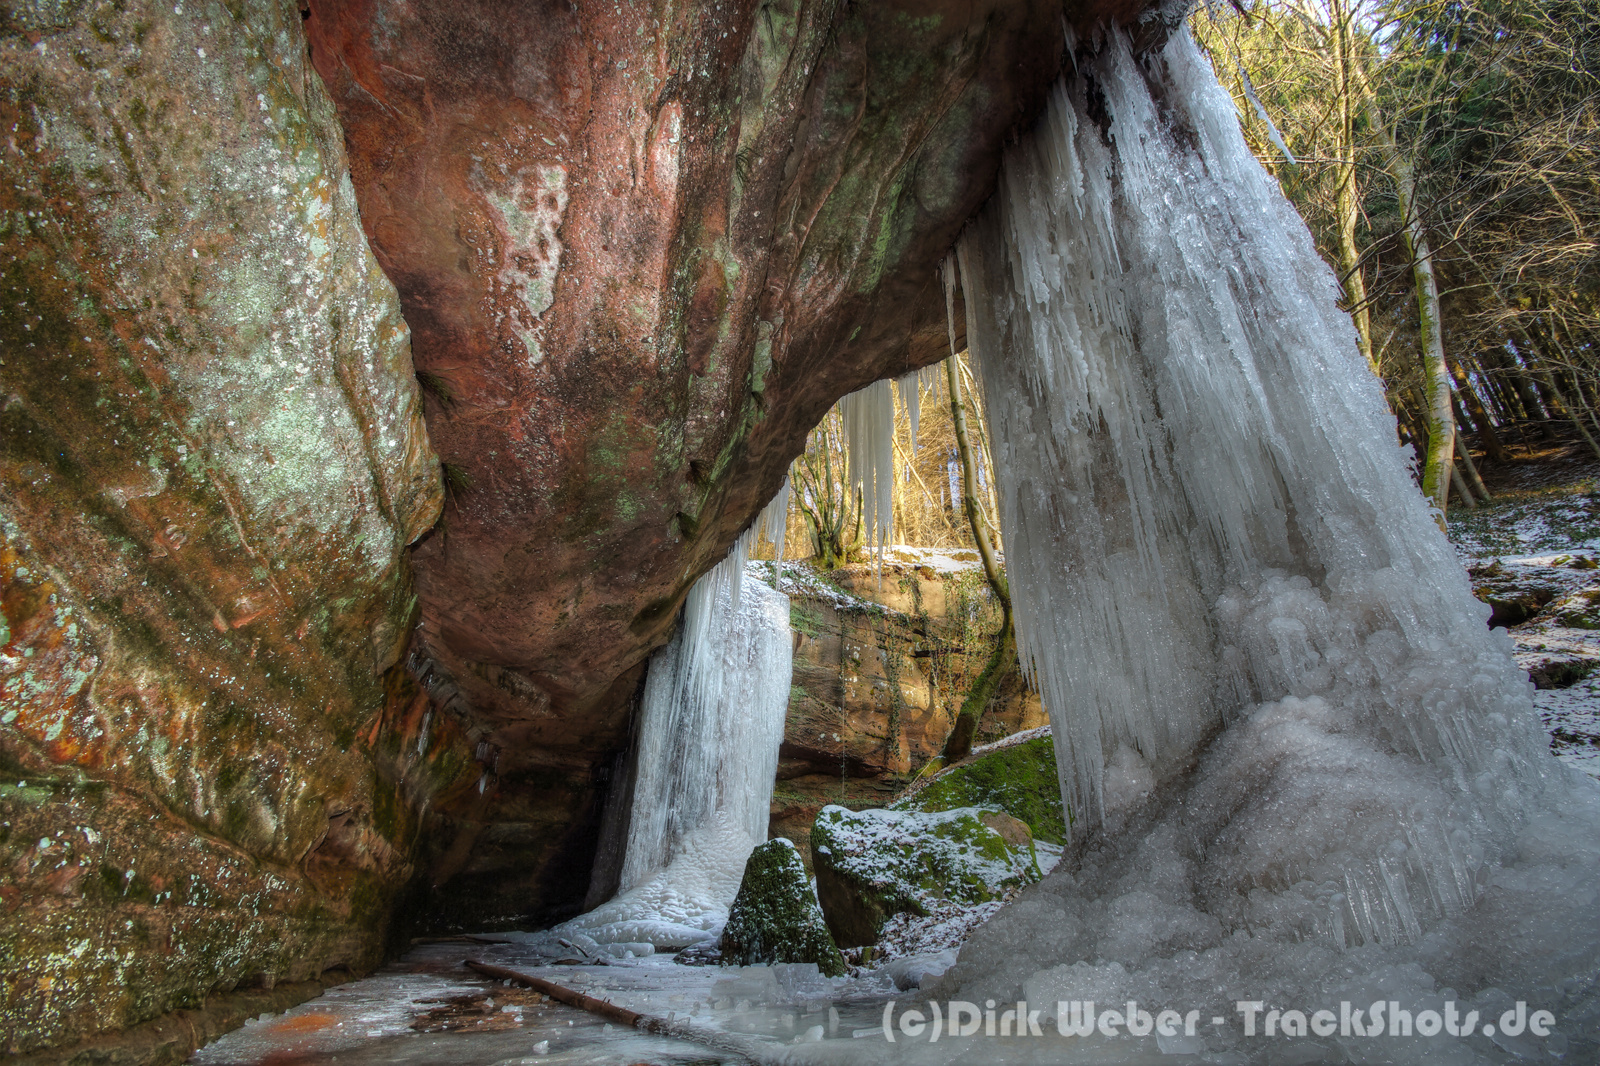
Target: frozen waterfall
[1299,763]
[710,724]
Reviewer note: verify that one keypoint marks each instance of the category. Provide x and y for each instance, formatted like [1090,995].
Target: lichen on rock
[212,460]
[874,864]
[775,917]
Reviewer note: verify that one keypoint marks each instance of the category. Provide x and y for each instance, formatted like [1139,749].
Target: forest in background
[1446,156]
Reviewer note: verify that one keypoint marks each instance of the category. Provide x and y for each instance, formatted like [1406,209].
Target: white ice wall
[1268,679]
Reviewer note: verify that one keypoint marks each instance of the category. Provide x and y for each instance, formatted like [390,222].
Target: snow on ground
[944,560]
[1573,717]
[800,579]
[1538,551]
[948,924]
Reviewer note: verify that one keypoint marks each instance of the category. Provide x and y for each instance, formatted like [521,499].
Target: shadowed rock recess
[258,699]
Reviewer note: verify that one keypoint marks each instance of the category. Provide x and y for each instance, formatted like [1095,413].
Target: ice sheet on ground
[428,1008]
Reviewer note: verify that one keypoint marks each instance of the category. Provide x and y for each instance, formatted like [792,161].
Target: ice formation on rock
[911,387]
[868,416]
[709,728]
[715,699]
[1300,765]
[773,522]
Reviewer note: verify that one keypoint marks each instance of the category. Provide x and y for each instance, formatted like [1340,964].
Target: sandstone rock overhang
[642,250]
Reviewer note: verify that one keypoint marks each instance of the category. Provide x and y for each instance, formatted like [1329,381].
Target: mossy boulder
[874,864]
[775,918]
[1019,779]
[1581,610]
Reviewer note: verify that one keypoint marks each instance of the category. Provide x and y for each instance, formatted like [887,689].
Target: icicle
[1273,133]
[947,276]
[911,387]
[773,523]
[911,398]
[868,416]
[711,721]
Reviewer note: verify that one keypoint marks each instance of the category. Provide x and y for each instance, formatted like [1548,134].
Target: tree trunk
[1492,445]
[1524,390]
[1577,419]
[1462,492]
[1440,462]
[1472,472]
[959,743]
[1347,198]
[1416,425]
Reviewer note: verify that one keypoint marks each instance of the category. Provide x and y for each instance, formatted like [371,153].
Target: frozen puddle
[429,1008]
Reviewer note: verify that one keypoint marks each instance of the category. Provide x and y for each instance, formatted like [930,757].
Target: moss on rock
[1581,610]
[874,864]
[775,918]
[1019,779]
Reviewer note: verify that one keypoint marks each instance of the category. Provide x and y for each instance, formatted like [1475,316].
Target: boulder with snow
[1016,776]
[874,864]
[775,918]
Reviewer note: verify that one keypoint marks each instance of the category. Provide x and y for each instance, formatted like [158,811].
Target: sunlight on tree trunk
[1348,195]
[1001,660]
[1439,465]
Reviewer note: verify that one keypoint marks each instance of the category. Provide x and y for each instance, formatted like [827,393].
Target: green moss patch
[775,917]
[874,864]
[1019,779]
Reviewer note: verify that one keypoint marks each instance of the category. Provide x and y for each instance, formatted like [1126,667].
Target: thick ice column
[710,725]
[709,730]
[1205,508]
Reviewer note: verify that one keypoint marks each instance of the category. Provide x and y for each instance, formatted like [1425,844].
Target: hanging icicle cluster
[911,387]
[1313,770]
[868,416]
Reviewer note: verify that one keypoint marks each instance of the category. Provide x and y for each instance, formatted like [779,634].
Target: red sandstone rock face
[875,691]
[642,249]
[212,458]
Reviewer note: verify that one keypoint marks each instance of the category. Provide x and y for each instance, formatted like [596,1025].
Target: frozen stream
[429,1008]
